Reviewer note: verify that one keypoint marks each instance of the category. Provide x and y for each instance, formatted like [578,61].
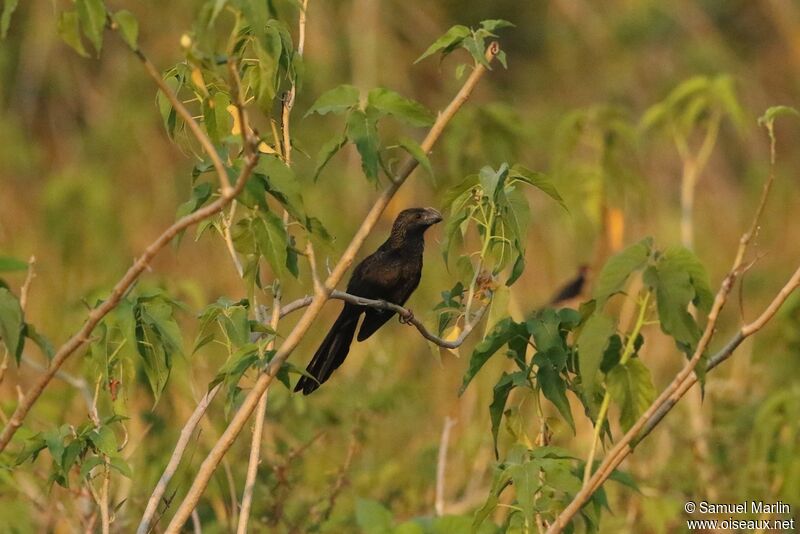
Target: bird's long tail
[332,352]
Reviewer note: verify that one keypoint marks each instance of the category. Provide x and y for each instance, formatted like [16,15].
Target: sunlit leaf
[327,151]
[391,103]
[336,100]
[92,14]
[416,151]
[362,132]
[591,344]
[69,31]
[272,239]
[619,267]
[537,180]
[128,27]
[631,387]
[447,42]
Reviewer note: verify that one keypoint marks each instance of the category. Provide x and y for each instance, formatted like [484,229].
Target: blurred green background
[88,178]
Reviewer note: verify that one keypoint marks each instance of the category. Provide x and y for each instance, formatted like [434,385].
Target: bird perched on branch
[391,273]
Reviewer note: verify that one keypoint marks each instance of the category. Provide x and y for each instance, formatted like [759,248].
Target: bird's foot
[407,317]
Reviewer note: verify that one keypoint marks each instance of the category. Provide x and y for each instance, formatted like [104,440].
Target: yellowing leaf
[198,81]
[237,128]
[264,148]
[451,334]
[615,229]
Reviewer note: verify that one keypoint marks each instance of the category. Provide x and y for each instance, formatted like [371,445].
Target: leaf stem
[630,345]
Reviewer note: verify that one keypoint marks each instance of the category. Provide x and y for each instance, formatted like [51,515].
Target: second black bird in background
[391,273]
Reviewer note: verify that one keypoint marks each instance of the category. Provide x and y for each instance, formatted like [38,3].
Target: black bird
[572,289]
[391,273]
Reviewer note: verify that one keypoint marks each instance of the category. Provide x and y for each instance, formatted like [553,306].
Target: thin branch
[172,466]
[200,135]
[74,381]
[249,403]
[400,310]
[441,464]
[26,285]
[255,444]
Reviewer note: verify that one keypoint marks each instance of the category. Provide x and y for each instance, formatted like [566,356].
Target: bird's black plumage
[572,289]
[391,273]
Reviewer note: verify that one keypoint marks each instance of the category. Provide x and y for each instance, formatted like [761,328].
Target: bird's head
[415,221]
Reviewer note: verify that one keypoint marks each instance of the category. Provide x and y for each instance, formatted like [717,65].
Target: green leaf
[591,344]
[92,14]
[69,31]
[5,19]
[373,518]
[128,28]
[537,180]
[503,331]
[283,186]
[11,323]
[680,258]
[492,25]
[499,397]
[493,181]
[631,387]
[272,240]
[104,439]
[554,389]
[9,264]
[516,270]
[158,339]
[388,102]
[41,341]
[619,267]
[120,465]
[675,289]
[362,132]
[337,100]
[327,151]
[769,116]
[416,152]
[89,464]
[447,42]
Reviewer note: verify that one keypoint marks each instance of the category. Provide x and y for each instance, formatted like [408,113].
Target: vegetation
[190,201]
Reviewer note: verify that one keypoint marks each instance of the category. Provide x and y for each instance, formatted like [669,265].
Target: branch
[441,465]
[255,444]
[400,310]
[248,405]
[172,466]
[187,117]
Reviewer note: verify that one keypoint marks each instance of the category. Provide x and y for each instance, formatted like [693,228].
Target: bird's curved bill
[433,216]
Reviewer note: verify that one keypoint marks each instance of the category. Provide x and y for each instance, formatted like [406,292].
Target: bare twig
[400,310]
[255,445]
[172,466]
[441,465]
[248,405]
[77,382]
[26,285]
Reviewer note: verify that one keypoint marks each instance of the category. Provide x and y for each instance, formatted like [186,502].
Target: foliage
[88,178]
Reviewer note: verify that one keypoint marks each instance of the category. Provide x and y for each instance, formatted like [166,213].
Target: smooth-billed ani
[391,273]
